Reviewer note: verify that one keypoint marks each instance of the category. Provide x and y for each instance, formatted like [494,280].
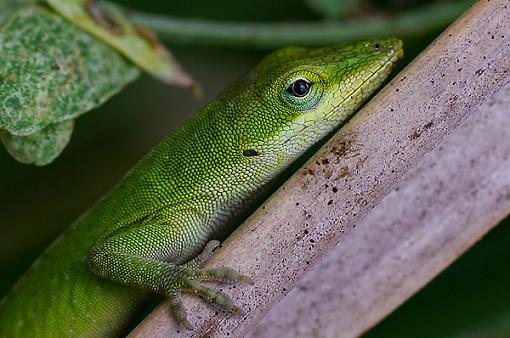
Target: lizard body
[148,231]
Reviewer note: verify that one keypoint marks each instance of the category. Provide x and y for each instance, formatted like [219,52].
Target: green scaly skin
[148,231]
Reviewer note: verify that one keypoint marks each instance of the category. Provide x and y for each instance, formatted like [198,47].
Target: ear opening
[250,152]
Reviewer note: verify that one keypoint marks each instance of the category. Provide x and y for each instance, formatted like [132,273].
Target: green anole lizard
[152,232]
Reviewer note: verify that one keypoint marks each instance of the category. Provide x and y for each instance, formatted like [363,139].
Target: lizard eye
[299,88]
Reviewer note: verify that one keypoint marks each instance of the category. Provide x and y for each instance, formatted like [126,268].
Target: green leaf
[42,147]
[51,72]
[141,46]
[7,7]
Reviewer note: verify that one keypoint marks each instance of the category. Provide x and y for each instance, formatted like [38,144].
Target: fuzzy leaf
[42,147]
[7,7]
[51,72]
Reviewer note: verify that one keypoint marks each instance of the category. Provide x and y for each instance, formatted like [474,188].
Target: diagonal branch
[319,206]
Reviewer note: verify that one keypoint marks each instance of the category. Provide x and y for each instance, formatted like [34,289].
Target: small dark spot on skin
[460,69]
[330,202]
[397,90]
[305,231]
[312,241]
[391,109]
[428,125]
[324,161]
[250,152]
[335,189]
[297,204]
[311,172]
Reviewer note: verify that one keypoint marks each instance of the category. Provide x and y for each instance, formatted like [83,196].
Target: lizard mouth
[391,59]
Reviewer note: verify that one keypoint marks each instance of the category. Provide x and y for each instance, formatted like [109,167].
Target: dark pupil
[299,88]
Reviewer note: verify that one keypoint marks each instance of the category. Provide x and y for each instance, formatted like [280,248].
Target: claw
[245,280]
[217,297]
[234,309]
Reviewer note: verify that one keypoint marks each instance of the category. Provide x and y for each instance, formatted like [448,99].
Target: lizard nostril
[377,46]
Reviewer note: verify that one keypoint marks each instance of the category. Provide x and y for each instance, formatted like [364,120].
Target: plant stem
[267,35]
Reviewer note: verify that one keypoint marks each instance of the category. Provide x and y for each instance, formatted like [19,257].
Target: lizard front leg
[159,257]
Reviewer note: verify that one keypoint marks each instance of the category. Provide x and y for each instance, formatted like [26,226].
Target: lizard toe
[178,310]
[214,296]
[222,275]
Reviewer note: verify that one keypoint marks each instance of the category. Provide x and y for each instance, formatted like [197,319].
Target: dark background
[470,299]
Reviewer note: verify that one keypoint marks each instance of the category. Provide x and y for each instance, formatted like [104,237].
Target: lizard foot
[188,280]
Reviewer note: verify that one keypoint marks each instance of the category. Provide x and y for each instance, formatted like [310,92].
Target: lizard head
[296,96]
